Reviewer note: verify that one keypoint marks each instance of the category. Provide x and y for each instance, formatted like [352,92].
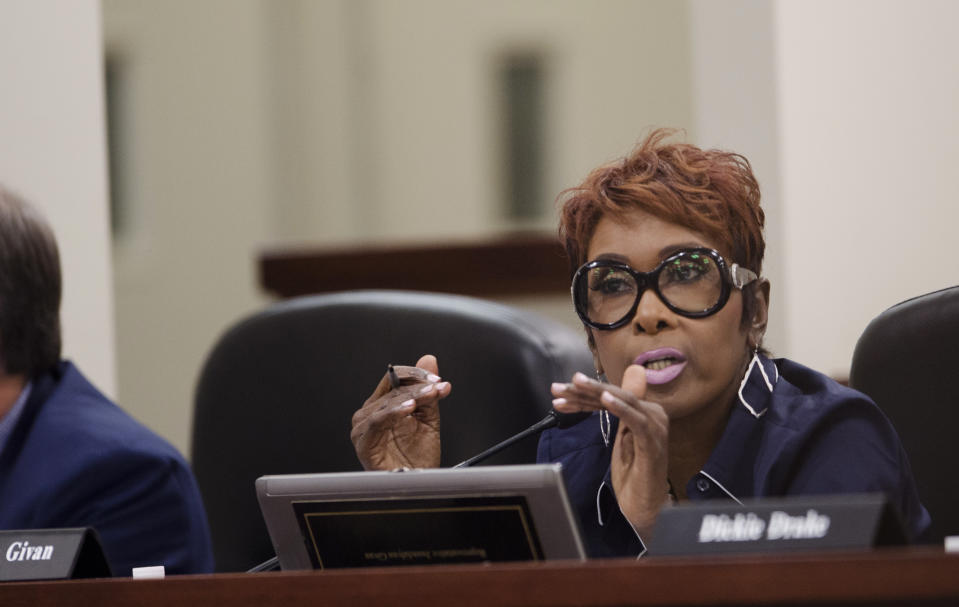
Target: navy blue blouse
[793,431]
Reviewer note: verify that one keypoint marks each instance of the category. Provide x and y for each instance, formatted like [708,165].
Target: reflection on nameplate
[422,531]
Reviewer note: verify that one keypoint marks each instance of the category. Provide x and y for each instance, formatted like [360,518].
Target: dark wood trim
[518,265]
[881,577]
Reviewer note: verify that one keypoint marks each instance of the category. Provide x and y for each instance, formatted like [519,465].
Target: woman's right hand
[400,427]
[640,459]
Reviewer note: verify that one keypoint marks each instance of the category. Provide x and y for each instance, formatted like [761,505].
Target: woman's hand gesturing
[640,452]
[400,427]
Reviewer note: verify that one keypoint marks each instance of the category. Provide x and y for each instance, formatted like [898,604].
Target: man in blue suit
[68,456]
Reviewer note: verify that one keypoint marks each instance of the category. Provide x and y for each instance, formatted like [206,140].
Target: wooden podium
[901,576]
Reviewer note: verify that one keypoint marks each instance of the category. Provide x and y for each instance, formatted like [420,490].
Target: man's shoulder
[77,419]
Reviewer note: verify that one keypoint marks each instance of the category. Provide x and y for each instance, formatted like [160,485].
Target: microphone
[553,419]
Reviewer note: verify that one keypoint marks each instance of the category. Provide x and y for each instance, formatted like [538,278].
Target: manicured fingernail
[426,389]
[433,377]
[408,404]
[584,380]
[607,398]
[558,387]
[442,385]
[559,401]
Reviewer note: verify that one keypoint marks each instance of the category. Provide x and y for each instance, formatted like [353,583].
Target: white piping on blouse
[599,517]
[720,485]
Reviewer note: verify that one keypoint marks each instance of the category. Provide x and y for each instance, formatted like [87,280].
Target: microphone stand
[553,418]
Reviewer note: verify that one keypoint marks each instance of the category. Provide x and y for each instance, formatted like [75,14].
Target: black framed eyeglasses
[692,283]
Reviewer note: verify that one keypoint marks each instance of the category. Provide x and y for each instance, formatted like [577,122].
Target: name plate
[777,525]
[51,554]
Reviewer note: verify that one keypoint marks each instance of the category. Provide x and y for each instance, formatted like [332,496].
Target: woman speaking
[666,249]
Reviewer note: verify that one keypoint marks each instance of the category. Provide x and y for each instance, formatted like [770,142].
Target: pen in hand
[394,380]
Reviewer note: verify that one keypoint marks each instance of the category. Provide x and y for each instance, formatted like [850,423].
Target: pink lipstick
[663,365]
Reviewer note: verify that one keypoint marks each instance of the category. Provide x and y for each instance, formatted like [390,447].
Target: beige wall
[869,142]
[251,123]
[344,121]
[847,111]
[385,111]
[197,148]
[52,152]
[737,108]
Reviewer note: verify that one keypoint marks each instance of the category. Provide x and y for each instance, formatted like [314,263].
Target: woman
[666,252]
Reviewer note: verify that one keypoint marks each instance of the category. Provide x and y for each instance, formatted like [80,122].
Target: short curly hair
[30,289]
[712,192]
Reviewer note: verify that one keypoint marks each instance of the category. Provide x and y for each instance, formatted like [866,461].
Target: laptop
[419,517]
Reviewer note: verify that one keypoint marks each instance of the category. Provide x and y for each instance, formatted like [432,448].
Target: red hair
[709,191]
[712,192]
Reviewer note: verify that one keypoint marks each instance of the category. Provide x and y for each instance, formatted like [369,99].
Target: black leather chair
[907,361]
[278,391]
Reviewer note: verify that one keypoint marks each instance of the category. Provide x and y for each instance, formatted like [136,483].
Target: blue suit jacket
[75,459]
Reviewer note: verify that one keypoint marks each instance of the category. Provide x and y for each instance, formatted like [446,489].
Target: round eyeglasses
[692,283]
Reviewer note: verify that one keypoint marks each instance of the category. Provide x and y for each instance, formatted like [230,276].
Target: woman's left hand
[640,452]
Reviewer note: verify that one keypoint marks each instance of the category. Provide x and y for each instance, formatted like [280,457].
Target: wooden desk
[885,577]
